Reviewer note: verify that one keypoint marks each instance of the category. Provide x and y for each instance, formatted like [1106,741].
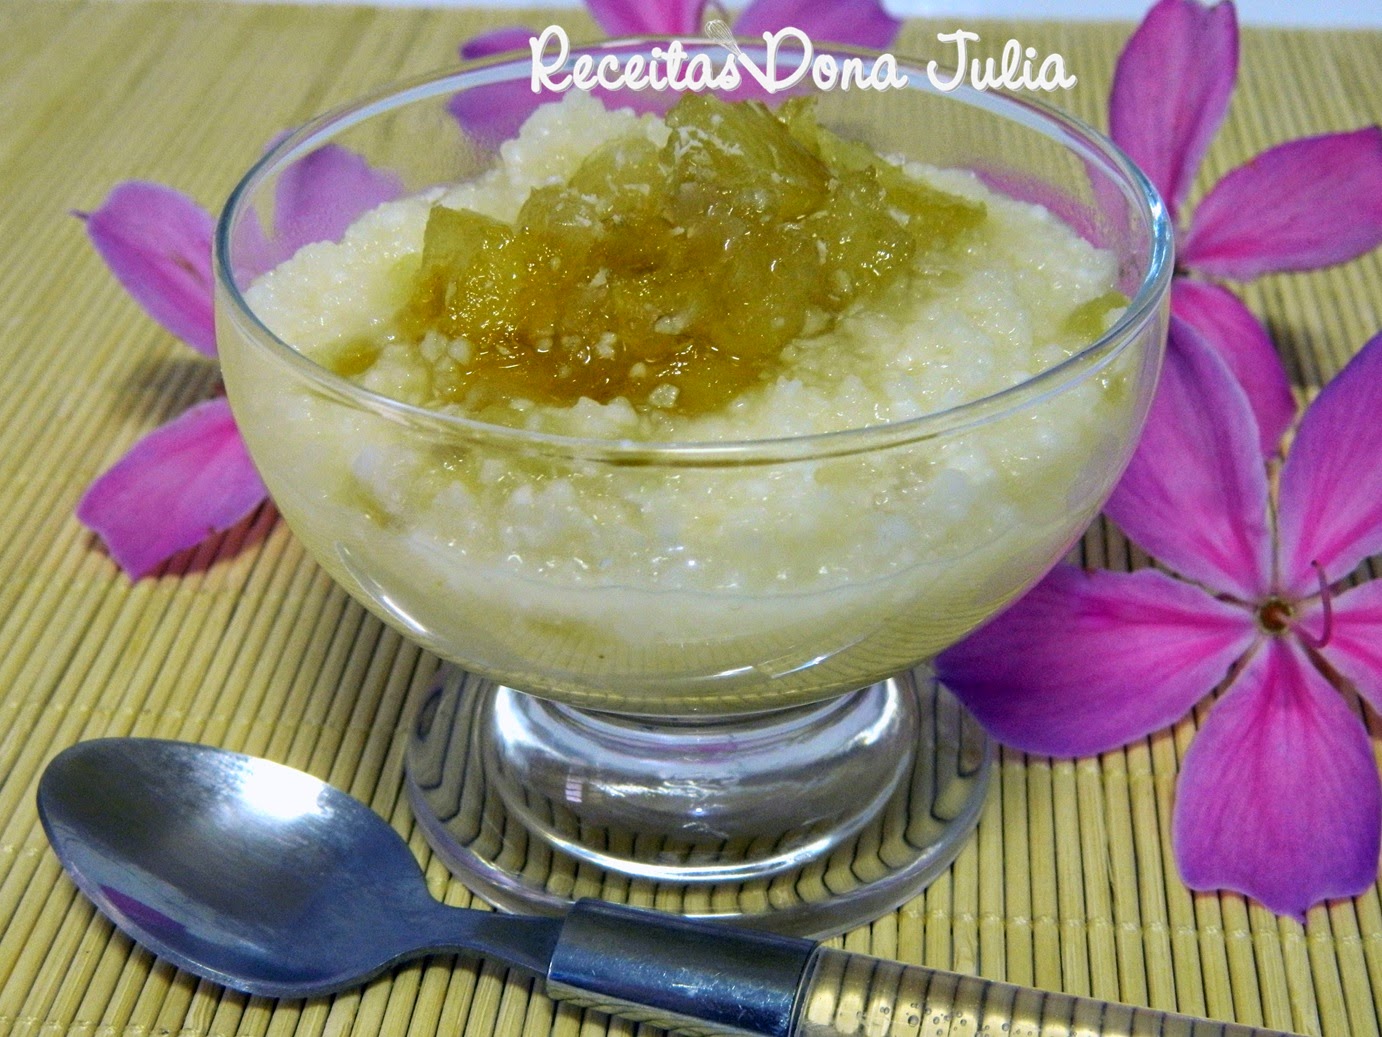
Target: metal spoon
[266,880]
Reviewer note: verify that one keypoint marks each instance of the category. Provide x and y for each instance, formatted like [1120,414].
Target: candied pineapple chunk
[674,276]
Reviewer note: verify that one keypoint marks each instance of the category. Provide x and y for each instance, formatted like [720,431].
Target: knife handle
[854,995]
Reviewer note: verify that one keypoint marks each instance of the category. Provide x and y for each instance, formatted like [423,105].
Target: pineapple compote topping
[672,276]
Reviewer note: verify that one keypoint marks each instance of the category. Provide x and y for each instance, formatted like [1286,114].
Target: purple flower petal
[1330,501]
[498,41]
[648,17]
[1301,205]
[1085,662]
[1354,647]
[317,198]
[1229,326]
[1195,494]
[157,243]
[492,114]
[1171,89]
[179,484]
[320,195]
[1279,797]
[862,23]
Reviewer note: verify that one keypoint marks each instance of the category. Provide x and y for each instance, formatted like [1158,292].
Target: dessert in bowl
[686,435]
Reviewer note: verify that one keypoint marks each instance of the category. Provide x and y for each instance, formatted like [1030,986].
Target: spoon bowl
[253,874]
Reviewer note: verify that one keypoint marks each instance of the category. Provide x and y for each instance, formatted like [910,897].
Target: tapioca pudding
[635,359]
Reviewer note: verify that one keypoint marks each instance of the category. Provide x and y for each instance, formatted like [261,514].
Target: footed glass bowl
[690,674]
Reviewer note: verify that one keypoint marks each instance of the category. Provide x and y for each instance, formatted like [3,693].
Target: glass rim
[1058,126]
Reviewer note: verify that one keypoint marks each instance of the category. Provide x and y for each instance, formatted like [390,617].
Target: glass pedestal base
[808,821]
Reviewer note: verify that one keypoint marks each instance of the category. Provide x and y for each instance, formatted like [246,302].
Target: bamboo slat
[1069,882]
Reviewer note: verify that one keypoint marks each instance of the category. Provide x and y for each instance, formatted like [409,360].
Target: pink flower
[496,112]
[1303,204]
[863,23]
[193,476]
[1279,795]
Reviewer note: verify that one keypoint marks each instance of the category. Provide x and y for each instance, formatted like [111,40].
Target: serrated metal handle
[709,980]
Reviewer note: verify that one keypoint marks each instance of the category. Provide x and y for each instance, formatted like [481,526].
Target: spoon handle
[710,980]
[854,995]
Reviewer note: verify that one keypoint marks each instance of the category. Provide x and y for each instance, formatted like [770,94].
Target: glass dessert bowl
[685,629]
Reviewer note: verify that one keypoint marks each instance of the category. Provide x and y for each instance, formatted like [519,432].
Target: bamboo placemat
[1069,883]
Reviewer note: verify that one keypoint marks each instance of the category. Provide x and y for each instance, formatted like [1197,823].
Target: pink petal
[1330,502]
[1301,205]
[498,41]
[1229,326]
[1195,494]
[1171,89]
[1279,797]
[317,198]
[492,114]
[1085,662]
[1355,642]
[182,482]
[157,243]
[648,17]
[320,195]
[861,23]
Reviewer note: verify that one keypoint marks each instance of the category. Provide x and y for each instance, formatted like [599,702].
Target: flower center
[1277,615]
[1274,615]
